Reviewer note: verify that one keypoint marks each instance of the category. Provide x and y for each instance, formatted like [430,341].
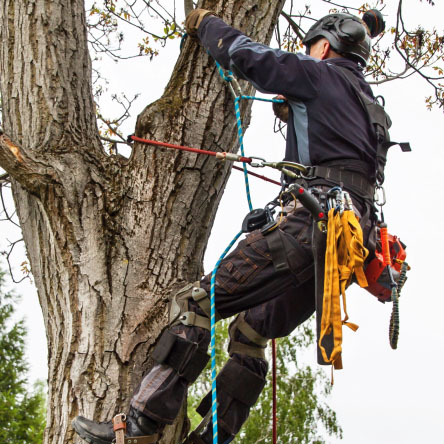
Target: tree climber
[329,129]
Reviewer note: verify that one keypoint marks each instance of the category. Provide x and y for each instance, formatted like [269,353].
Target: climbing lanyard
[345,255]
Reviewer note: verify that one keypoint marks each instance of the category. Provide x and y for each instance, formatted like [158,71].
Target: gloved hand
[194,19]
[281,109]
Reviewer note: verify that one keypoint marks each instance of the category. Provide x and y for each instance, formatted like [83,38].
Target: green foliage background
[22,413]
[302,410]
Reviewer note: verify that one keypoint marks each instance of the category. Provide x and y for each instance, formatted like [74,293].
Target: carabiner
[262,164]
[235,88]
[380,194]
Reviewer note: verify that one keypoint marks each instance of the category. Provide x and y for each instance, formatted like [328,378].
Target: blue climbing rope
[213,337]
[238,96]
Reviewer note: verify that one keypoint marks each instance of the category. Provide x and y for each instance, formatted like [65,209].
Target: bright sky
[381,395]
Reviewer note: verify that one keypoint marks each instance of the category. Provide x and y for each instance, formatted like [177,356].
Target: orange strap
[344,257]
[119,426]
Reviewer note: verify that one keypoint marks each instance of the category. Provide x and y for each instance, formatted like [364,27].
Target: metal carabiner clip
[256,164]
[235,88]
[379,196]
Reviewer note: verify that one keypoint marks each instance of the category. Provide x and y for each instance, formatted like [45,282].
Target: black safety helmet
[348,35]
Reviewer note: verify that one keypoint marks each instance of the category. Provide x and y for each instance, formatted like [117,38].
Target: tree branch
[21,166]
[294,26]
[188,4]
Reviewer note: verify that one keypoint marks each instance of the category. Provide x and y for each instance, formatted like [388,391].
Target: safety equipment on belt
[344,258]
[256,219]
[194,19]
[179,307]
[348,35]
[254,351]
[183,355]
[381,279]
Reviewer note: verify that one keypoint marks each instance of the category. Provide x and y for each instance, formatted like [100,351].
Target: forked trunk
[109,238]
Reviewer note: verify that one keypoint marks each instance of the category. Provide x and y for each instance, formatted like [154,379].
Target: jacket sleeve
[269,70]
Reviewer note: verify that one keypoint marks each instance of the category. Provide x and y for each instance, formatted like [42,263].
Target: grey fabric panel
[151,382]
[300,121]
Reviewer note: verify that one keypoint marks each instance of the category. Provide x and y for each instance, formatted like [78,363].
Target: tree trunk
[108,239]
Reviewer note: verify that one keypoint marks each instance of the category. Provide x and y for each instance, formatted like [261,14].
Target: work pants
[274,305]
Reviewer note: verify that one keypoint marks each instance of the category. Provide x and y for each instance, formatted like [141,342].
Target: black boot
[93,432]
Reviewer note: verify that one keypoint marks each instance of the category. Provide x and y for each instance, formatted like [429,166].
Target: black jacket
[327,122]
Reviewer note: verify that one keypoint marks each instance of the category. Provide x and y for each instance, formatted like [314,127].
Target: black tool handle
[311,203]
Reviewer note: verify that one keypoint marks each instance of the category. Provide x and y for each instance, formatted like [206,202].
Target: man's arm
[269,70]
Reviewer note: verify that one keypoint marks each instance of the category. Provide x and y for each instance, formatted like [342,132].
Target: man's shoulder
[336,65]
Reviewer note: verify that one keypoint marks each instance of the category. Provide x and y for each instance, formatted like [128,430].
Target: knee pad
[241,385]
[258,342]
[180,312]
[183,355]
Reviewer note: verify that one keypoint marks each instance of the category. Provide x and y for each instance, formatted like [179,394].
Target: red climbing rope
[273,348]
[220,155]
[258,175]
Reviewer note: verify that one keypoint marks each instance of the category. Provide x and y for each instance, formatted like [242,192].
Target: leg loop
[183,355]
[179,307]
[255,338]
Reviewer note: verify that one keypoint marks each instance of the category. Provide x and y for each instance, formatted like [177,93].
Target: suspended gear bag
[380,280]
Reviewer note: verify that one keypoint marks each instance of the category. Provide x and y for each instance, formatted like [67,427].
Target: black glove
[194,19]
[281,109]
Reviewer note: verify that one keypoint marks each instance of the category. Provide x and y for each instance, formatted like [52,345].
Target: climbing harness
[119,427]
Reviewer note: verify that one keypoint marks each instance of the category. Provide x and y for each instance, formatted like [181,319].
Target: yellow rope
[344,257]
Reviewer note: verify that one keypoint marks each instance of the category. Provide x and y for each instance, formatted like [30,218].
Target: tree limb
[294,26]
[20,166]
[188,4]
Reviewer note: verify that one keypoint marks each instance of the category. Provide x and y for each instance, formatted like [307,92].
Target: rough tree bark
[108,239]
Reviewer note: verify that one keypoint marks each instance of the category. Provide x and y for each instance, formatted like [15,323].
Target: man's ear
[326,48]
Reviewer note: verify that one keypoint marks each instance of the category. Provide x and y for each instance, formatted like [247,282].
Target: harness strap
[151,439]
[249,332]
[203,300]
[379,120]
[352,180]
[244,349]
[184,356]
[119,427]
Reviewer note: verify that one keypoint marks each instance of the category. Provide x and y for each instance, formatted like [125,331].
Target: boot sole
[86,436]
